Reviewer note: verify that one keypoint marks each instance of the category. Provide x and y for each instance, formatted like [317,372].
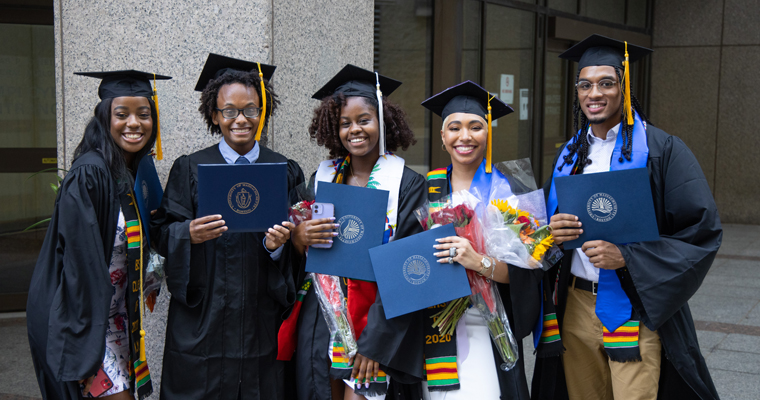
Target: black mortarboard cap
[217,65]
[598,50]
[129,83]
[466,97]
[355,81]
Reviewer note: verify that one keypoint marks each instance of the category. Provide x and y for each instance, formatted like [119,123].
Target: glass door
[28,145]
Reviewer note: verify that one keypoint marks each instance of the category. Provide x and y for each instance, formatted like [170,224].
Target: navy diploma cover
[249,197]
[409,276]
[148,191]
[360,212]
[613,206]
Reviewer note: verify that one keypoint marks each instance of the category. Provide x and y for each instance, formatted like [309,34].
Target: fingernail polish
[366,385]
[329,241]
[335,233]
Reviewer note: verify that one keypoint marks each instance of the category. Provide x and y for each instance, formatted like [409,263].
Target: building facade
[698,84]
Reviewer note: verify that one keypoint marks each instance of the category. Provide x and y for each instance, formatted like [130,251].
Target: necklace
[351,168]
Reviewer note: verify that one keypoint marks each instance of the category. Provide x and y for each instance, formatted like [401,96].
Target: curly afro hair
[325,125]
[249,79]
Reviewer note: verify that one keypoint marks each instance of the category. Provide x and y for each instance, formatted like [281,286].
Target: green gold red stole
[136,247]
[440,350]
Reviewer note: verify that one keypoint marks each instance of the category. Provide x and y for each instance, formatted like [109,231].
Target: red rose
[523,220]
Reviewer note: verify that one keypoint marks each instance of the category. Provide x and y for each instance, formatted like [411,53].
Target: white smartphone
[322,210]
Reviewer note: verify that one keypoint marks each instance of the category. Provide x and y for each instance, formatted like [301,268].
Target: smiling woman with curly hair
[347,123]
[326,124]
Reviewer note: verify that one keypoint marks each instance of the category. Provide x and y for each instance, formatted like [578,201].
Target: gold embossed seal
[243,198]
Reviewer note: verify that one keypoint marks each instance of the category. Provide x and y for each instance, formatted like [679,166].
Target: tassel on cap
[379,94]
[159,149]
[490,136]
[263,104]
[627,102]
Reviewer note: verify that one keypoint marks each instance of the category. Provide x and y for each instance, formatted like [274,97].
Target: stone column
[309,41]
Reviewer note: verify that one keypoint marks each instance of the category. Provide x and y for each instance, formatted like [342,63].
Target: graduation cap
[217,65]
[130,83]
[354,81]
[597,50]
[468,97]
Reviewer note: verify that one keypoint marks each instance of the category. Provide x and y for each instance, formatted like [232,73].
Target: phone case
[322,210]
[101,384]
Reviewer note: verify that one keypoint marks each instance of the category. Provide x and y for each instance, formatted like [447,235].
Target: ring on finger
[453,252]
[451,260]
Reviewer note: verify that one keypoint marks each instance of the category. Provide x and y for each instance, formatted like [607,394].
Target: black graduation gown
[70,292]
[660,276]
[312,362]
[405,333]
[228,296]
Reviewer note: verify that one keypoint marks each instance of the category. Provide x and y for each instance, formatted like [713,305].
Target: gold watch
[485,262]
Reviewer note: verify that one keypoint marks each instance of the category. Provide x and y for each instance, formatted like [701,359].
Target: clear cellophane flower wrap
[335,309]
[154,277]
[517,228]
[460,209]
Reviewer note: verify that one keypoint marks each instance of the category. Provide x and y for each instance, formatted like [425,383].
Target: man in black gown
[229,290]
[657,277]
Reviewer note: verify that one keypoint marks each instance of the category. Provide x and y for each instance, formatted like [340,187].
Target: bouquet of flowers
[300,211]
[334,308]
[516,226]
[485,295]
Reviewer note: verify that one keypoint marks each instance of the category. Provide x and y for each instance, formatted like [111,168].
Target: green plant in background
[55,186]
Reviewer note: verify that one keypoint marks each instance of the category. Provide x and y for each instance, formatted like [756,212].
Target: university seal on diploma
[243,198]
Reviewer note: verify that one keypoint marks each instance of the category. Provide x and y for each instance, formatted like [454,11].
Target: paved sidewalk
[726,312]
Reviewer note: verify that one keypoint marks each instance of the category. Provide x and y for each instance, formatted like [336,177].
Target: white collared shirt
[600,154]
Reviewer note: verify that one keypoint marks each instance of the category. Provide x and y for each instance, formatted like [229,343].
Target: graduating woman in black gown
[347,124]
[229,290]
[83,312]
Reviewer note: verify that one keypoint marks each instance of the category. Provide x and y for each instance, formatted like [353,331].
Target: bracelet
[493,267]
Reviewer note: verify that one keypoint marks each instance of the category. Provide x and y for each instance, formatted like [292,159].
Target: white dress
[116,359]
[477,372]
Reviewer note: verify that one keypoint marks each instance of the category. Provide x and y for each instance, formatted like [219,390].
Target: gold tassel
[490,136]
[263,105]
[159,150]
[627,102]
[142,344]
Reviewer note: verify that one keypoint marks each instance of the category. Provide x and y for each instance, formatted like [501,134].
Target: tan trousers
[589,373]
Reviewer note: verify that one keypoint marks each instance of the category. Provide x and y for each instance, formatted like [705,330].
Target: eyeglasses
[604,86]
[232,113]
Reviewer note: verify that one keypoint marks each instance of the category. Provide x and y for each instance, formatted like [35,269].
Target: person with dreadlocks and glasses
[228,290]
[645,345]
[360,128]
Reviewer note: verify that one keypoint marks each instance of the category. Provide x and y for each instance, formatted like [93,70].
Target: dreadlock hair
[325,125]
[97,137]
[580,144]
[250,79]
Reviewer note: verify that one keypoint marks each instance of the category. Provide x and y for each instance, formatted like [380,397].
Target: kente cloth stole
[440,350]
[547,340]
[139,372]
[360,295]
[613,307]
[287,337]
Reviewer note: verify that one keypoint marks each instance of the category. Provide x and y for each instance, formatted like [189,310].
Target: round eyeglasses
[604,86]
[232,113]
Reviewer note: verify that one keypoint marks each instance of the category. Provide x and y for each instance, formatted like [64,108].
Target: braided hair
[580,144]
